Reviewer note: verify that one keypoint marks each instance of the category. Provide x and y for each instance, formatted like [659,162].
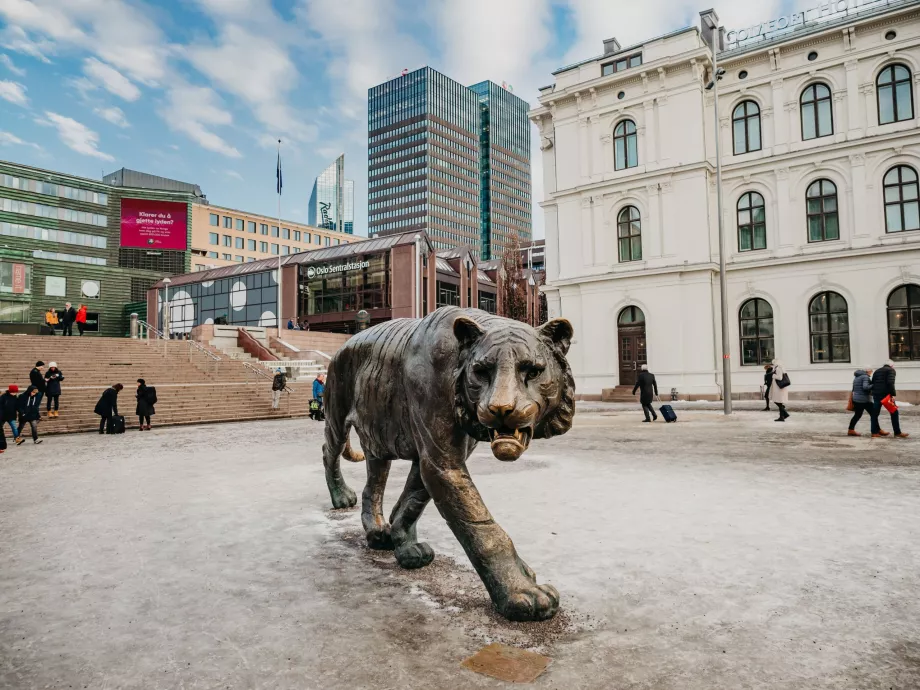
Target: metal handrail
[260,371]
[192,343]
[290,363]
[141,322]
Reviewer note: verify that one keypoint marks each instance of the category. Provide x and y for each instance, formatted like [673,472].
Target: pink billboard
[154,224]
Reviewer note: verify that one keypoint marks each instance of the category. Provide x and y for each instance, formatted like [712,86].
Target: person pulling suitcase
[648,390]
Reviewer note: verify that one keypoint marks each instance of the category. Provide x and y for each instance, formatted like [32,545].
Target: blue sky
[201,90]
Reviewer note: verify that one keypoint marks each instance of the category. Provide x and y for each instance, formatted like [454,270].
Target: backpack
[151,396]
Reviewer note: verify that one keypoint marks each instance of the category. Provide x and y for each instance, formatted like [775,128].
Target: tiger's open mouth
[508,445]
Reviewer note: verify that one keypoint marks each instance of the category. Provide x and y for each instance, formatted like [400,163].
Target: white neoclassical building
[819,125]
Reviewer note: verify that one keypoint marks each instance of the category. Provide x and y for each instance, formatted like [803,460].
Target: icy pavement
[713,553]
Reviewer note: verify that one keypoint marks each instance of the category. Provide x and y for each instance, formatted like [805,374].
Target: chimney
[710,30]
[611,45]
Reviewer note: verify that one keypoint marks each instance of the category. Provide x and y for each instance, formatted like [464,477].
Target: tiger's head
[513,383]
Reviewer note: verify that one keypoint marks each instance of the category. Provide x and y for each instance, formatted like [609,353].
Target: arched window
[631,316]
[746,127]
[817,112]
[829,328]
[902,199]
[625,146]
[904,323]
[821,211]
[757,332]
[895,95]
[629,234]
[752,222]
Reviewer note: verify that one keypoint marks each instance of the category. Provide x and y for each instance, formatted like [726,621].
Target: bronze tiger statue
[428,390]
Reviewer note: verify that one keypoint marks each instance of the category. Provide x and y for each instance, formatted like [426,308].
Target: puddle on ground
[454,589]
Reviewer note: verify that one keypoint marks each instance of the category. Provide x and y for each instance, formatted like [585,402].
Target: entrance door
[632,347]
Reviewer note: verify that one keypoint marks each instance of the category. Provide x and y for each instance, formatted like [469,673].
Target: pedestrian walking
[9,411]
[883,391]
[767,384]
[862,400]
[80,318]
[648,388]
[780,390]
[67,319]
[279,383]
[37,380]
[53,378]
[51,320]
[146,399]
[107,407]
[30,412]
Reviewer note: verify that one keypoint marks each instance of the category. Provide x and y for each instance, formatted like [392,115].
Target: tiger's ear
[467,331]
[559,333]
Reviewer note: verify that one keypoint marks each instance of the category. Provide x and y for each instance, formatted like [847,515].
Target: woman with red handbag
[883,395]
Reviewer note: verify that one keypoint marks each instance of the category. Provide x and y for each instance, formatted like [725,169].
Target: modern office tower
[448,159]
[332,201]
[423,159]
[505,198]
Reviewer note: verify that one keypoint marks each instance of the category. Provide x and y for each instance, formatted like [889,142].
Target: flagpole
[279,185]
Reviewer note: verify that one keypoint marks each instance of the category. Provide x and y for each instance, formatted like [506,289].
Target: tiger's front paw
[530,603]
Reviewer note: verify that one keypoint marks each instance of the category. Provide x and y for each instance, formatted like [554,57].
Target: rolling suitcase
[667,413]
[116,425]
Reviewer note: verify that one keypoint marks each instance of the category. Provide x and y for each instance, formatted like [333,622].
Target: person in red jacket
[81,318]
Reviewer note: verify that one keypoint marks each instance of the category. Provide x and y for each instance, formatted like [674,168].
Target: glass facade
[246,300]
[332,201]
[367,287]
[424,159]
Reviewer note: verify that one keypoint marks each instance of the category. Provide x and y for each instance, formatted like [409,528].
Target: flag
[278,171]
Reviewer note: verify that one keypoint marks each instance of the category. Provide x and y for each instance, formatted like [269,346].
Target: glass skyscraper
[332,201]
[428,165]
[505,196]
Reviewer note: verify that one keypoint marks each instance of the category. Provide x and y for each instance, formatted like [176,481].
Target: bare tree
[512,284]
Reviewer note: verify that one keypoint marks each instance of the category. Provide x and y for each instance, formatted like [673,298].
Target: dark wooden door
[632,353]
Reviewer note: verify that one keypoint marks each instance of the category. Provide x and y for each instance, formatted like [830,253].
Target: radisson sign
[824,11]
[317,271]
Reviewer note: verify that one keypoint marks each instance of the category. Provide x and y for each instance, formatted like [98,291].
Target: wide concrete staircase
[300,364]
[192,386]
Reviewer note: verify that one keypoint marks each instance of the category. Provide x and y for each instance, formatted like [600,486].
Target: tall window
[904,323]
[746,127]
[895,95]
[821,211]
[629,234]
[829,327]
[902,199]
[817,112]
[625,146]
[752,222]
[757,332]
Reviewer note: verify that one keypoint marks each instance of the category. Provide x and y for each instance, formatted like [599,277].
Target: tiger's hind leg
[410,553]
[336,436]
[376,528]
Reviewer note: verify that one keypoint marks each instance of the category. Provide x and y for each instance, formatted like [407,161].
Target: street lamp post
[166,314]
[713,85]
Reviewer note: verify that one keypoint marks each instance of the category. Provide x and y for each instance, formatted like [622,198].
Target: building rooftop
[325,254]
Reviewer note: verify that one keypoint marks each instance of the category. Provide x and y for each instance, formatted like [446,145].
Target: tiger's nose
[501,409]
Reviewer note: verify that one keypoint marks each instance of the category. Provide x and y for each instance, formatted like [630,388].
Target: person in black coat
[883,386]
[9,411]
[37,379]
[107,407]
[67,318]
[53,376]
[146,399]
[647,387]
[30,411]
[767,385]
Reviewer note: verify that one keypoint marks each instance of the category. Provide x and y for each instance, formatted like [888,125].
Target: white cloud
[257,68]
[234,174]
[75,135]
[16,39]
[195,111]
[114,115]
[117,32]
[10,139]
[14,92]
[110,79]
[7,62]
